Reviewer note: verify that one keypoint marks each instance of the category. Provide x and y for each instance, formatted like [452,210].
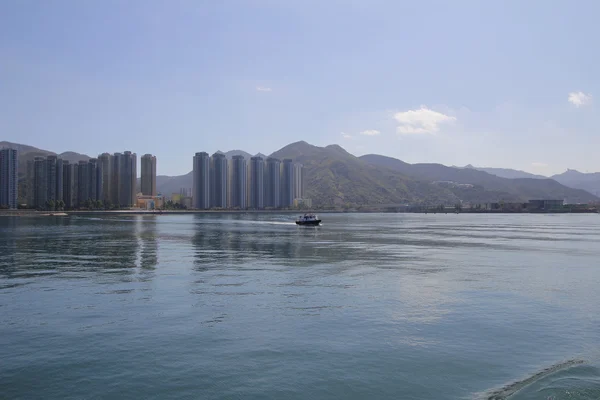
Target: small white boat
[308,219]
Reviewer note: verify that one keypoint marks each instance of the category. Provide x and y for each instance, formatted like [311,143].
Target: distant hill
[521,189]
[335,177]
[507,172]
[575,179]
[167,185]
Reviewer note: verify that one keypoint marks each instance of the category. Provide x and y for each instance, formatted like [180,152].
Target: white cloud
[263,89]
[539,164]
[579,99]
[421,121]
[370,132]
[346,136]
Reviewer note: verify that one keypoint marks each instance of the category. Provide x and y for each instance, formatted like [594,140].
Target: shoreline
[35,213]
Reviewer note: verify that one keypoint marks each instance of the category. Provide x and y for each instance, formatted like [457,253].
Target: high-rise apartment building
[273,183]
[257,179]
[8,178]
[47,179]
[148,181]
[128,179]
[40,182]
[115,192]
[201,181]
[218,181]
[51,178]
[104,160]
[89,182]
[83,184]
[123,179]
[30,184]
[287,183]
[69,191]
[238,182]
[298,183]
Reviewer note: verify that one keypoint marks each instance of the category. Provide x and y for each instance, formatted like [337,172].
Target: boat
[308,219]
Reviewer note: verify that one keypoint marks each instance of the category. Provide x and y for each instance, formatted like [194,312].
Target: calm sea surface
[371,306]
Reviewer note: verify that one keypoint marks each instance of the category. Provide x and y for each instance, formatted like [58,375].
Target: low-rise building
[303,203]
[545,204]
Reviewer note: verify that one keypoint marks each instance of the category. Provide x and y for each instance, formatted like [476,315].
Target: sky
[509,84]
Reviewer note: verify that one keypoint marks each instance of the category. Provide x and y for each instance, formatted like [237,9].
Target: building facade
[238,182]
[104,160]
[69,195]
[123,179]
[287,183]
[257,183]
[218,181]
[201,181]
[148,180]
[40,183]
[298,185]
[9,176]
[273,183]
[128,179]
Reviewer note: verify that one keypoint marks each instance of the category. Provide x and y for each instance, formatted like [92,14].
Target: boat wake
[509,390]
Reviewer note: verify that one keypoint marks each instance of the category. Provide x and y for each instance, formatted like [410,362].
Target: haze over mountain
[521,189]
[580,180]
[334,177]
[507,172]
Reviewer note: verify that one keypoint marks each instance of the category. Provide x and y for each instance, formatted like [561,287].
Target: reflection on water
[244,305]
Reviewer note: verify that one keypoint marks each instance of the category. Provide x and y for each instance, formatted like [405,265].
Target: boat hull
[309,223]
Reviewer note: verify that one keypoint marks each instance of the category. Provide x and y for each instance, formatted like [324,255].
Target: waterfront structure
[218,181]
[149,202]
[8,178]
[201,181]
[287,183]
[257,179]
[273,183]
[148,180]
[545,204]
[238,182]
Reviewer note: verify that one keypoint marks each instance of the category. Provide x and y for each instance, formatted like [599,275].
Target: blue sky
[502,84]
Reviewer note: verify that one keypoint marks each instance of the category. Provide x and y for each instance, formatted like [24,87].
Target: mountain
[507,172]
[167,185]
[334,177]
[575,179]
[520,189]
